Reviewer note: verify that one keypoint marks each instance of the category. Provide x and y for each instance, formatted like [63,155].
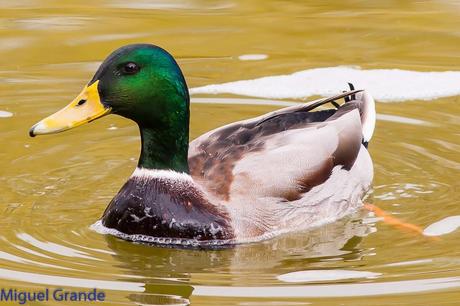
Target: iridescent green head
[144,83]
[141,82]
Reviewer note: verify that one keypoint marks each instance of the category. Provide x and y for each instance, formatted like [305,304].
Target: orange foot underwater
[392,220]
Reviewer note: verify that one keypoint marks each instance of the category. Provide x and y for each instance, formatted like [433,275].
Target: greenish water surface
[53,188]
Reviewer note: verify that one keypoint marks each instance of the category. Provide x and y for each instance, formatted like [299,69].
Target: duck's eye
[130,68]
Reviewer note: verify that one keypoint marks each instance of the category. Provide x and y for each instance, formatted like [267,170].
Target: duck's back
[273,166]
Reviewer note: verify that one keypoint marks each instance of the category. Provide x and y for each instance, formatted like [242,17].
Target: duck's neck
[165,149]
[163,117]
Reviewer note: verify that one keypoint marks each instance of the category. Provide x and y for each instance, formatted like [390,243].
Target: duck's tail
[368,115]
[362,100]
[354,98]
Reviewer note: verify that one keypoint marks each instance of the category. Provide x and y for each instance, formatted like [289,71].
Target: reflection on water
[52,189]
[442,227]
[5,114]
[324,275]
[332,290]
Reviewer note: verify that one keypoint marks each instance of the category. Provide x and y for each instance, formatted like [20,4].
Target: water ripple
[70,281]
[341,290]
[54,248]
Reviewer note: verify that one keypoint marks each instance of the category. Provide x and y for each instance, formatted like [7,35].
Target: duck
[292,169]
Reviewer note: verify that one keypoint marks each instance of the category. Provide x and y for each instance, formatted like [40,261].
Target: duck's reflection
[170,273]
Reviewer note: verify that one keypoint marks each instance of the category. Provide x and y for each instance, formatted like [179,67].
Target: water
[53,188]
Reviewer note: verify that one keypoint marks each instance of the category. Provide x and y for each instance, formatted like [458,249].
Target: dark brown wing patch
[307,107]
[317,176]
[313,178]
[216,156]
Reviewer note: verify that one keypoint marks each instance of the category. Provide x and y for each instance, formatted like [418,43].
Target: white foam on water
[324,275]
[252,57]
[5,114]
[442,227]
[384,85]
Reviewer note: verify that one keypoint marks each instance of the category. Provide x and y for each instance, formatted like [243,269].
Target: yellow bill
[86,107]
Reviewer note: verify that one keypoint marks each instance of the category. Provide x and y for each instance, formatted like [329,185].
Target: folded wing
[284,153]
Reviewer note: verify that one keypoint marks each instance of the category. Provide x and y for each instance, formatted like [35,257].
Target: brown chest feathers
[160,207]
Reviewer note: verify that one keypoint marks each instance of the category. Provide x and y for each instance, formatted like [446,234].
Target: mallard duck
[287,170]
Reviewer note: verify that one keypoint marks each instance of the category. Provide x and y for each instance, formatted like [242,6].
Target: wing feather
[282,154]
